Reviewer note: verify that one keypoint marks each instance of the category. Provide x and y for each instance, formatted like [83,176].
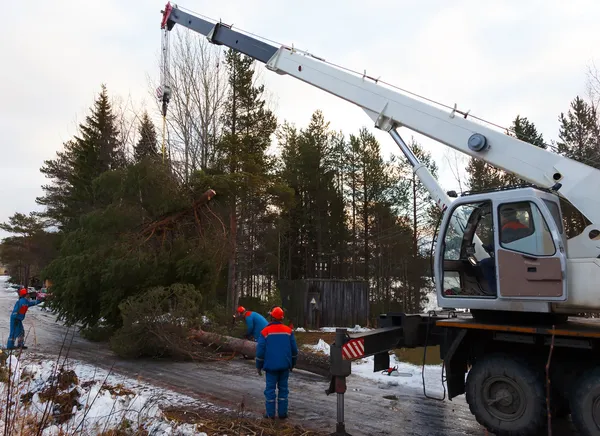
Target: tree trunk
[306,361]
[231,272]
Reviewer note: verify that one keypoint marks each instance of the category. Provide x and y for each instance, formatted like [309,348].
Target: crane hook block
[477,142]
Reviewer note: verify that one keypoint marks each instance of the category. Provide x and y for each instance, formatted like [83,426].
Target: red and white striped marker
[353,349]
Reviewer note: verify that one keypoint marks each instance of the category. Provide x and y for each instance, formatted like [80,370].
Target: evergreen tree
[482,175]
[84,158]
[421,218]
[579,133]
[579,139]
[110,258]
[371,184]
[316,229]
[147,144]
[244,165]
[29,248]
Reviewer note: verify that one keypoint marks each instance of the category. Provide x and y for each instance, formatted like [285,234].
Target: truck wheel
[585,403]
[506,396]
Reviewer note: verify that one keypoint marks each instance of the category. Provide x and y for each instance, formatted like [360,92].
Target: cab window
[524,229]
[467,222]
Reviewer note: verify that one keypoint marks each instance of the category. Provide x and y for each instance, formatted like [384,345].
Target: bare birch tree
[126,120]
[199,84]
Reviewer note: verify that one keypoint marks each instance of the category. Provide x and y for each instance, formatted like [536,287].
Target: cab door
[530,258]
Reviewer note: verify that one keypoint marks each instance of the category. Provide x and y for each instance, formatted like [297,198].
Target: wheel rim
[596,412]
[504,399]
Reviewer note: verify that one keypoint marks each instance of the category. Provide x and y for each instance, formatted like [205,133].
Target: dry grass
[312,338]
[118,390]
[220,424]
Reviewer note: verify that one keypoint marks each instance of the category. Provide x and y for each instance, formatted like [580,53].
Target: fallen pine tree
[310,362]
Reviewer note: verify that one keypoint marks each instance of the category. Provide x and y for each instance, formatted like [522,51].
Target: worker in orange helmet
[255,322]
[17,332]
[276,354]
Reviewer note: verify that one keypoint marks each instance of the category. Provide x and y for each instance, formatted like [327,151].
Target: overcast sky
[498,59]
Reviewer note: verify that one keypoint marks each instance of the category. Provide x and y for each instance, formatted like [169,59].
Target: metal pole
[340,408]
[412,159]
[340,369]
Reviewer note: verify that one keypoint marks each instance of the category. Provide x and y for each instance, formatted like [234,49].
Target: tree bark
[306,361]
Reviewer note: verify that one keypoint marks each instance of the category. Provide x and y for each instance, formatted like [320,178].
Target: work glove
[259,371]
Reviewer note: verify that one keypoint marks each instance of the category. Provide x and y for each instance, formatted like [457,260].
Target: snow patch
[321,347]
[355,329]
[102,401]
[431,302]
[300,330]
[404,374]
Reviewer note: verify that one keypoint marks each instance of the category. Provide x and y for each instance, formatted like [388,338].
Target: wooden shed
[316,303]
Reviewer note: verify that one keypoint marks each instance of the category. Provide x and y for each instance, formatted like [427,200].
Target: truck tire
[585,403]
[506,396]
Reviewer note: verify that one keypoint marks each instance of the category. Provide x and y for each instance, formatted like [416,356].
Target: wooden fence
[316,303]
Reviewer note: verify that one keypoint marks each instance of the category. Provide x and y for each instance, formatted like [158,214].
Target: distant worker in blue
[255,322]
[17,332]
[276,354]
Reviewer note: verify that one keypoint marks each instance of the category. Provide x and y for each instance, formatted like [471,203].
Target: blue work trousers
[17,332]
[277,380]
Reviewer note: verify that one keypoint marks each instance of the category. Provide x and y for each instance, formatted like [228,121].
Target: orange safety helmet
[277,313]
[22,292]
[241,309]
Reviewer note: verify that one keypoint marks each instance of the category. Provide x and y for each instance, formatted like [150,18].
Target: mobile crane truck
[502,254]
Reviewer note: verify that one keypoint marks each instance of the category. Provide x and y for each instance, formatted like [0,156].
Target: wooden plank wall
[293,297]
[344,303]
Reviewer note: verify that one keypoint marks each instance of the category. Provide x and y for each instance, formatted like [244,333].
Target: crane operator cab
[502,250]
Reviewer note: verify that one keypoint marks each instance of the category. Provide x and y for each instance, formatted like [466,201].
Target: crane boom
[390,109]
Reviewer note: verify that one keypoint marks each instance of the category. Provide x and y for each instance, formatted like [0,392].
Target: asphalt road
[230,383]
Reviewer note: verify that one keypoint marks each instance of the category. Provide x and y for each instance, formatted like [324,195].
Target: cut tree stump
[310,362]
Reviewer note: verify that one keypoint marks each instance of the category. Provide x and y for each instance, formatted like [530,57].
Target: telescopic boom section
[390,109]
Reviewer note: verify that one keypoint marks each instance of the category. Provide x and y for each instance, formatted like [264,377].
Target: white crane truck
[527,354]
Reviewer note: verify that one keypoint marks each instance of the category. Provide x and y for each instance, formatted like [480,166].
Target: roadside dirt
[219,424]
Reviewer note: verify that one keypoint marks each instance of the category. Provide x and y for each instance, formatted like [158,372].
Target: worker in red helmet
[255,322]
[290,324]
[276,354]
[17,332]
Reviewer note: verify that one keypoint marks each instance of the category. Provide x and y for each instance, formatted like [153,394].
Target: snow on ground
[92,402]
[355,329]
[5,285]
[431,303]
[321,347]
[405,374]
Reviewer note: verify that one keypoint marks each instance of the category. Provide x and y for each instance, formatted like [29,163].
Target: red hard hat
[241,309]
[277,313]
[22,292]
